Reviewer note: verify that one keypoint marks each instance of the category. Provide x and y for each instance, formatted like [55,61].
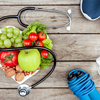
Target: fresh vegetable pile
[24,62]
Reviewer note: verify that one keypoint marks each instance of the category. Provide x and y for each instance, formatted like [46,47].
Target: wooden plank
[59,76]
[79,23]
[39,2]
[76,47]
[39,94]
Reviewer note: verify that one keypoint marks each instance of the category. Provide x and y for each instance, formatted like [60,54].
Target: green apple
[29,60]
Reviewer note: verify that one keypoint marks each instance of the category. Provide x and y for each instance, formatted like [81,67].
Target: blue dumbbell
[82,85]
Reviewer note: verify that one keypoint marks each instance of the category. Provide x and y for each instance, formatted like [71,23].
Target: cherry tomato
[44,53]
[27,42]
[42,36]
[39,43]
[33,36]
[9,58]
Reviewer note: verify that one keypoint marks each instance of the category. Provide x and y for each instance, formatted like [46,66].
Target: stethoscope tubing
[32,47]
[18,16]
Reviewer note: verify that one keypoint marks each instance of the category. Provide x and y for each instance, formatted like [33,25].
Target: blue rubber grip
[94,95]
[83,87]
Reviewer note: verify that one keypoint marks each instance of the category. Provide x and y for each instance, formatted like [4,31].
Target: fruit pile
[24,62]
[11,37]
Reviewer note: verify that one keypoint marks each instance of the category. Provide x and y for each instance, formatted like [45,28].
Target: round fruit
[33,36]
[7,43]
[16,31]
[9,35]
[3,37]
[12,40]
[3,29]
[44,53]
[18,40]
[42,36]
[9,58]
[14,36]
[10,29]
[27,42]
[29,60]
[39,43]
[19,45]
[1,43]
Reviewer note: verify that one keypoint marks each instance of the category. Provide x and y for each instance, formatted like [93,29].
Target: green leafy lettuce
[45,62]
[47,43]
[35,27]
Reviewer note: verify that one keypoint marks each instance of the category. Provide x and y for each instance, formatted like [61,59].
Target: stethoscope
[24,89]
[18,16]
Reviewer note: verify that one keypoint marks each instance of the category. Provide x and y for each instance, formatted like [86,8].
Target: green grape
[3,29]
[3,37]
[19,45]
[2,46]
[14,36]
[16,31]
[18,40]
[7,43]
[4,33]
[12,40]
[15,45]
[1,43]
[20,36]
[25,37]
[9,35]
[10,29]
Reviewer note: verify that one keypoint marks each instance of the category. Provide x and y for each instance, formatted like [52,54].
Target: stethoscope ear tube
[18,16]
[30,47]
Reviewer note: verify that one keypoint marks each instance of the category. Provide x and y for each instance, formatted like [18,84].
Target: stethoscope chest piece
[24,90]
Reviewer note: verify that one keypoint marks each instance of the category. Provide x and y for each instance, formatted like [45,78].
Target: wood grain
[76,47]
[39,94]
[79,23]
[38,2]
[59,77]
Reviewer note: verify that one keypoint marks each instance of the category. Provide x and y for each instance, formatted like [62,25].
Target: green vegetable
[35,27]
[47,43]
[46,62]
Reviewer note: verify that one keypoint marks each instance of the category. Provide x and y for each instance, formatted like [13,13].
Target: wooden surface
[78,48]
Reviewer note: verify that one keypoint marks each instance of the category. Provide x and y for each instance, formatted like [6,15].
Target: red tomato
[39,43]
[44,53]
[9,58]
[33,36]
[27,42]
[42,36]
